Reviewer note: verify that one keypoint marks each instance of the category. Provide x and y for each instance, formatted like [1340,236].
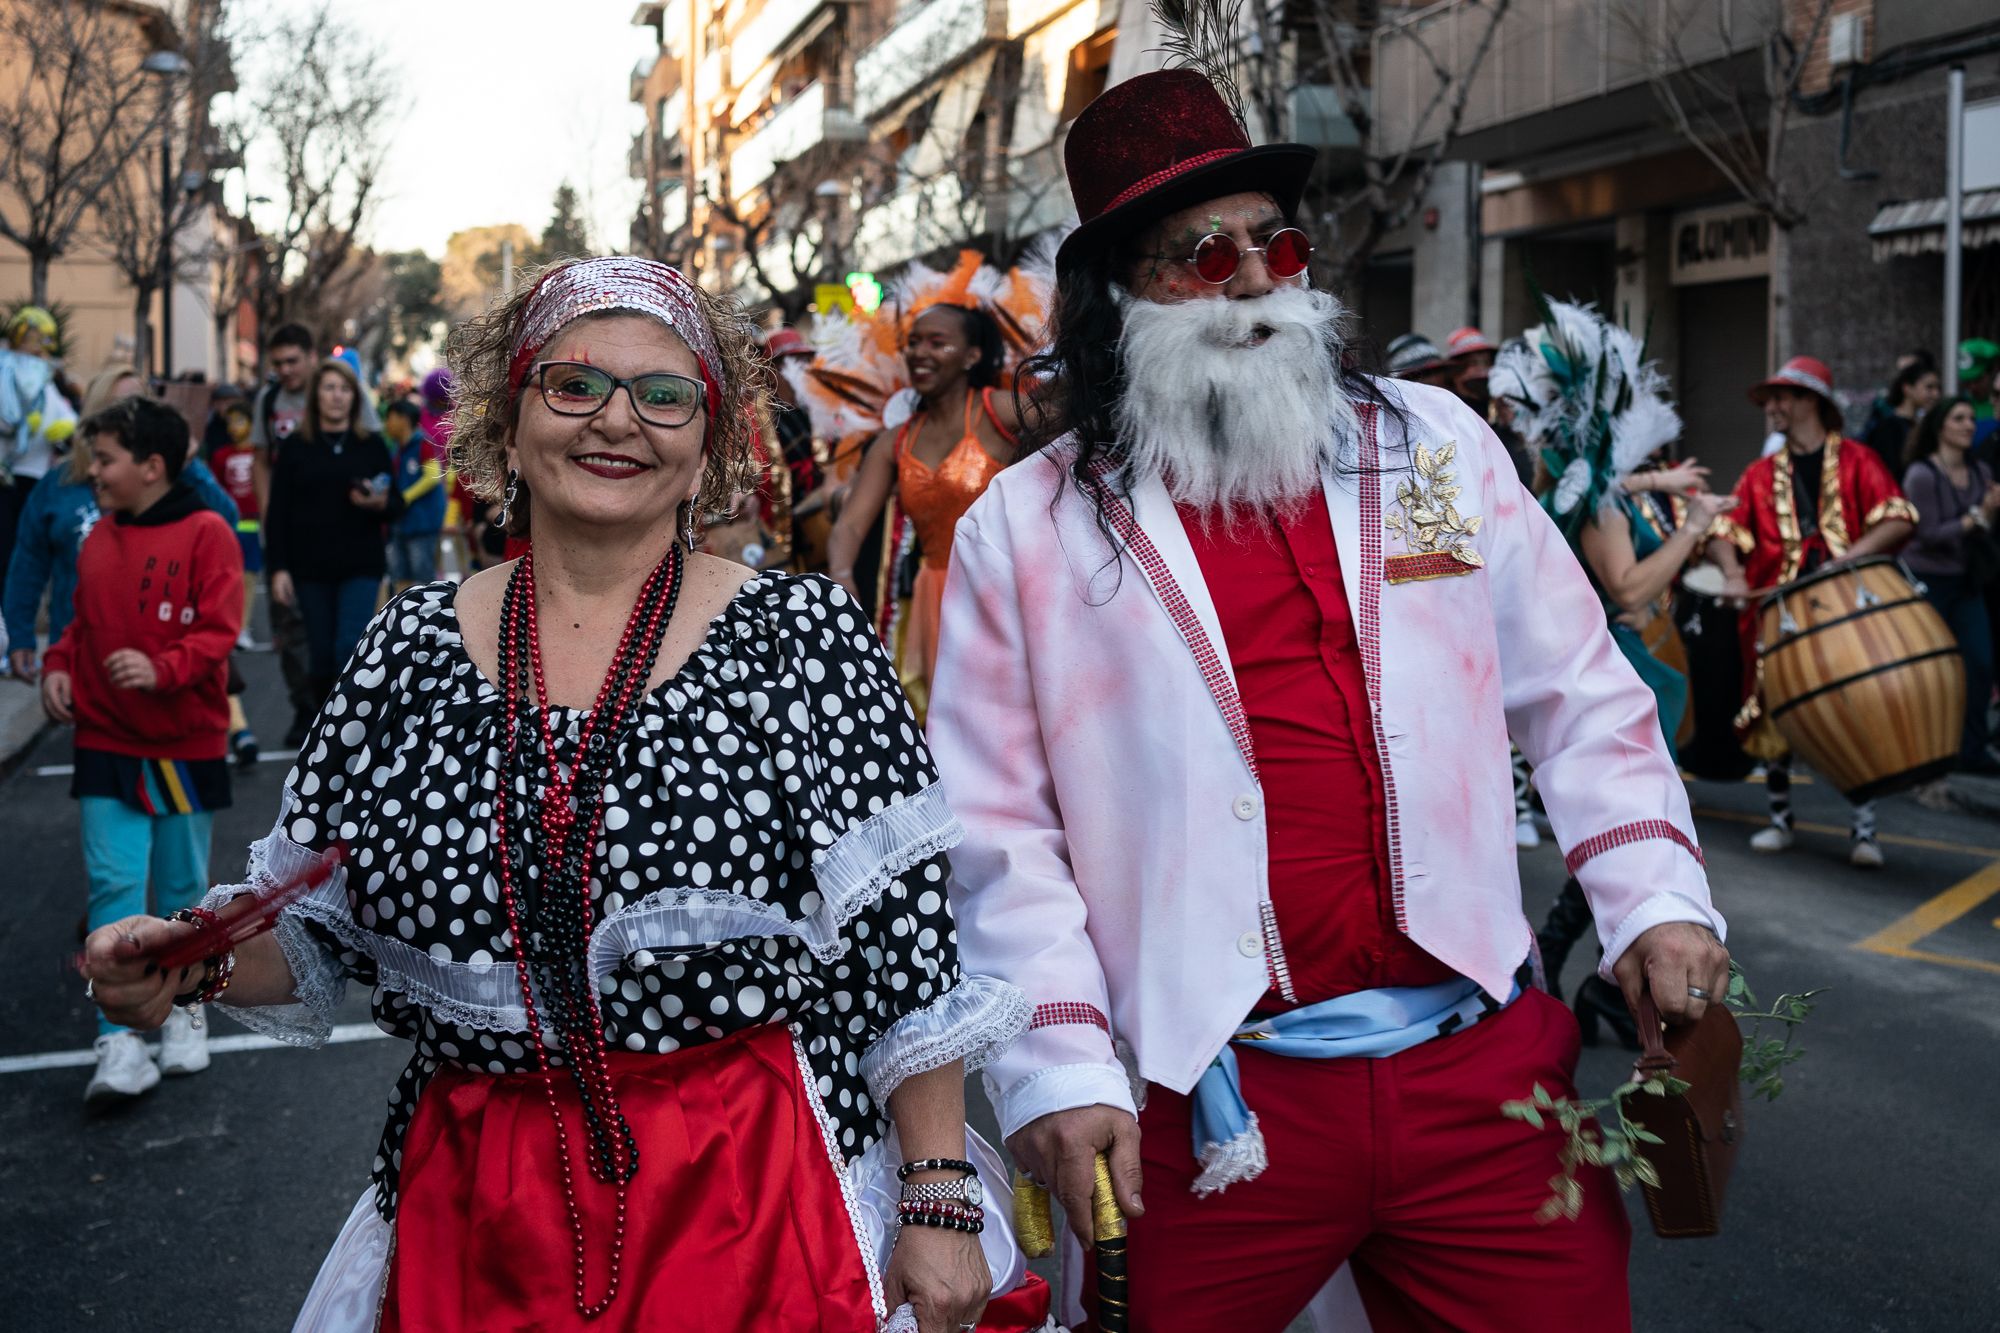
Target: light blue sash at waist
[1369,1023]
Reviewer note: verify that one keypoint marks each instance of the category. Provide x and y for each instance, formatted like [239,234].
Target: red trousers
[1402,1166]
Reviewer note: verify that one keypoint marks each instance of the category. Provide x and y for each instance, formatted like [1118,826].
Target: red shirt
[235,465]
[1276,584]
[170,584]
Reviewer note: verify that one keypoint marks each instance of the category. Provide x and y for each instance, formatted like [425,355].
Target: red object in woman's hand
[250,915]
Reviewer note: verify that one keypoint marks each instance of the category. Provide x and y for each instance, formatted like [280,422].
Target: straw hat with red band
[1161,142]
[1466,341]
[784,342]
[1801,372]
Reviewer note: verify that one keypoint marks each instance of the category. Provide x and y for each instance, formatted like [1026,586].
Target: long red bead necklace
[561,920]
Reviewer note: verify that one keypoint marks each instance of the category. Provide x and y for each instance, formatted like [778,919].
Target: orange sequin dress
[935,499]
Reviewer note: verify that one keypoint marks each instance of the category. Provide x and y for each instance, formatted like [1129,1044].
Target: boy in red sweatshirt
[142,672]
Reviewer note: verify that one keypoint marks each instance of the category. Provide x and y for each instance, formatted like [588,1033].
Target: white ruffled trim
[317,983]
[858,868]
[851,875]
[684,919]
[1223,1164]
[974,1021]
[810,1081]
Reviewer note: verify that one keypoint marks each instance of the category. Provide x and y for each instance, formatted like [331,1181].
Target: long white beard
[1226,420]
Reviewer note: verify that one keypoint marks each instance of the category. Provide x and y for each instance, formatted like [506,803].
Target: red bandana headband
[620,282]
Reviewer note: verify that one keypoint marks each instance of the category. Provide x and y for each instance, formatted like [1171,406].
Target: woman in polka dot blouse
[735,1007]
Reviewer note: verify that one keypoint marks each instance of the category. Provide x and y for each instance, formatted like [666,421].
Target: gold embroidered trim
[1832,516]
[1895,507]
[1727,529]
[1788,516]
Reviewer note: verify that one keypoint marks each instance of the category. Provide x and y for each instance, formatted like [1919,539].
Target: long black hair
[1079,380]
[981,331]
[1906,378]
[1924,439]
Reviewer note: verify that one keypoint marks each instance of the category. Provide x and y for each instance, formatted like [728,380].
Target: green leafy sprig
[1598,1132]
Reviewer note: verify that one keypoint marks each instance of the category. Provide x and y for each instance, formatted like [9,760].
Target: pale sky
[504,99]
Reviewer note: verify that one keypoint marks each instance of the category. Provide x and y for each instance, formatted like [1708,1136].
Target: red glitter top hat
[1161,142]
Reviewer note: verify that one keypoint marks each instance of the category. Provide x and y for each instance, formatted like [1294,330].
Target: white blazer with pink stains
[1086,723]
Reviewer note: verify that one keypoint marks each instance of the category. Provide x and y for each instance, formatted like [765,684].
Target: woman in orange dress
[934,466]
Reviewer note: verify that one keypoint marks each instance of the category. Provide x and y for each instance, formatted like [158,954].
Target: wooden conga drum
[1862,677]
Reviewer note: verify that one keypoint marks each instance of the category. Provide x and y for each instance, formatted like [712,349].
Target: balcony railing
[920,216]
[707,83]
[640,73]
[1544,56]
[673,205]
[933,37]
[771,25]
[794,128]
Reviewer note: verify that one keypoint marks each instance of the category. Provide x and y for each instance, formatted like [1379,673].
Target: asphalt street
[1864,1198]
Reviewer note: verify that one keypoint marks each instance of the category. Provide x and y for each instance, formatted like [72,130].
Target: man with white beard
[1227,676]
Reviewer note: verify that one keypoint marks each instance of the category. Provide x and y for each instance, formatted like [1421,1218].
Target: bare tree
[319,122]
[1739,122]
[68,128]
[1739,126]
[142,217]
[1283,51]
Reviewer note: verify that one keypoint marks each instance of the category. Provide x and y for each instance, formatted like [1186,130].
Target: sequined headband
[593,286]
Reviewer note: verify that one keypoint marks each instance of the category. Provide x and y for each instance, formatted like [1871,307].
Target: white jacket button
[1249,944]
[1246,807]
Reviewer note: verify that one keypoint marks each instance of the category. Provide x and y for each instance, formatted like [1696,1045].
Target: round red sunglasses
[1217,256]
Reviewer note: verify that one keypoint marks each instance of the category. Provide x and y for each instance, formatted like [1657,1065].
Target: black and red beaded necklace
[552,937]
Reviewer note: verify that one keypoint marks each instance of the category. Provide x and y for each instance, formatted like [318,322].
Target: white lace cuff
[974,1021]
[317,983]
[858,868]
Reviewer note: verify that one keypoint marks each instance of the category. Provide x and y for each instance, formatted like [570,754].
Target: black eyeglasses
[574,389]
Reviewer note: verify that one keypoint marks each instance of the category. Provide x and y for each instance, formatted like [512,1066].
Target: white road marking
[240,1041]
[263,757]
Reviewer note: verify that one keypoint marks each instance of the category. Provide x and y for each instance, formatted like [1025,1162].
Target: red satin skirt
[735,1221]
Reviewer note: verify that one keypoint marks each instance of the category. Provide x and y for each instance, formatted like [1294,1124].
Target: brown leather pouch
[1700,1128]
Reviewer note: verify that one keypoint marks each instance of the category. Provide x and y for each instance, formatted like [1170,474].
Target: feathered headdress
[856,375]
[1584,394]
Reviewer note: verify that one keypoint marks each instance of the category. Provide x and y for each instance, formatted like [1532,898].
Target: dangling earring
[688,534]
[509,496]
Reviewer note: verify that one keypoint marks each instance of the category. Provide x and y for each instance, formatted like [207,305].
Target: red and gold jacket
[1856,493]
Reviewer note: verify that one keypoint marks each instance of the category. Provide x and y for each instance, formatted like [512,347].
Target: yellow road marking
[1897,938]
[1894,839]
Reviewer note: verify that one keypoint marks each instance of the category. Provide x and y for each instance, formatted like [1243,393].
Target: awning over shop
[1917,228]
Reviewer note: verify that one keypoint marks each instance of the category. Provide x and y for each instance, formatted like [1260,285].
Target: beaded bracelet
[216,970]
[945,1216]
[908,1169]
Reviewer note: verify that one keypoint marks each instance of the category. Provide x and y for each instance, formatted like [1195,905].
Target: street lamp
[168,66]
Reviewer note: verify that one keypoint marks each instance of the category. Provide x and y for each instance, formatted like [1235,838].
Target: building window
[1089,72]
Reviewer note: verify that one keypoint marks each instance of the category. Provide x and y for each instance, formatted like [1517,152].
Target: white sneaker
[1865,853]
[1526,834]
[123,1069]
[244,641]
[184,1042]
[1776,838]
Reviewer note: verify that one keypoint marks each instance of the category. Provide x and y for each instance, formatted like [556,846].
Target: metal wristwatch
[966,1190]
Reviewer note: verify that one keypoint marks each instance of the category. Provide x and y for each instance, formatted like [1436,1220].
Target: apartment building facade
[101,320]
[1577,180]
[791,142]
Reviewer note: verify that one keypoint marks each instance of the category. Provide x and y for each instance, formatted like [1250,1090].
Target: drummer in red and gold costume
[1819,500]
